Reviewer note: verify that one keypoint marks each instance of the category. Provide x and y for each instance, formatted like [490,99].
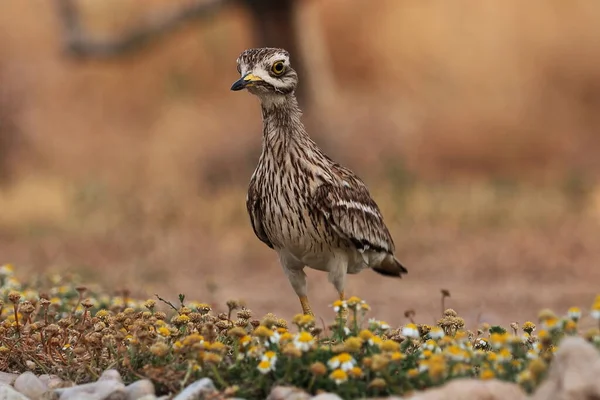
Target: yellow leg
[345,310]
[305,306]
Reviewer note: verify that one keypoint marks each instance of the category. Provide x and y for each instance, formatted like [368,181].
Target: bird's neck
[282,127]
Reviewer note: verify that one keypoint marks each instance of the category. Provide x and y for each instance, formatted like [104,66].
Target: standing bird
[312,211]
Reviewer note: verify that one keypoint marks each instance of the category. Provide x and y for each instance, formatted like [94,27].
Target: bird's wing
[347,205]
[256,214]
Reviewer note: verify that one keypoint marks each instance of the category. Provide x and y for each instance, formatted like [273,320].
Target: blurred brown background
[475,124]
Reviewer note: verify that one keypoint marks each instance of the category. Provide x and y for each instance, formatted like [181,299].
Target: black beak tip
[238,85]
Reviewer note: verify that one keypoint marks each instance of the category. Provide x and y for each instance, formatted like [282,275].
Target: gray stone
[140,389]
[107,389]
[197,390]
[574,373]
[327,396]
[30,385]
[287,393]
[111,375]
[472,389]
[52,381]
[7,392]
[8,378]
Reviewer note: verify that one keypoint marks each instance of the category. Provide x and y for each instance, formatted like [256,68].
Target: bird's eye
[278,68]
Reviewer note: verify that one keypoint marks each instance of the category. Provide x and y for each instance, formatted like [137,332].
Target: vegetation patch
[77,333]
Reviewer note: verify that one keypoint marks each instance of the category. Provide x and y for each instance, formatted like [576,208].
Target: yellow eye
[278,68]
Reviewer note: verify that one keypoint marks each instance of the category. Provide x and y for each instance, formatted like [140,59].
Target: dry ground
[503,253]
[132,171]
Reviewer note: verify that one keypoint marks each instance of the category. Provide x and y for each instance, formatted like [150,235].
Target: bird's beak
[245,81]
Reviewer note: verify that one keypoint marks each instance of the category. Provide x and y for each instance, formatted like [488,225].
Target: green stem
[218,378]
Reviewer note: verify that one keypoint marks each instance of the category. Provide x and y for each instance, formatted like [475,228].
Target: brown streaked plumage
[312,211]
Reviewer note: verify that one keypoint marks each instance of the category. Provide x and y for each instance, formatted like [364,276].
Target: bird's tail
[389,266]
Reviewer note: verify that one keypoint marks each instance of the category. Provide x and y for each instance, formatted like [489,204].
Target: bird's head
[266,73]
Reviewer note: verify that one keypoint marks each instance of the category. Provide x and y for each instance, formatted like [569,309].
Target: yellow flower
[306,320]
[411,331]
[436,366]
[412,373]
[379,362]
[269,355]
[102,313]
[355,372]
[497,340]
[504,355]
[339,376]
[365,334]
[181,319]
[286,337]
[436,333]
[211,358]
[595,313]
[343,361]
[487,374]
[304,341]
[524,377]
[529,327]
[551,324]
[215,347]
[353,301]
[375,341]
[389,346]
[339,305]
[457,354]
[397,356]
[245,340]
[353,344]
[570,326]
[574,313]
[426,353]
[263,332]
[164,331]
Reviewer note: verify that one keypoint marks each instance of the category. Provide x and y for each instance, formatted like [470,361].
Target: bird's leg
[344,310]
[305,306]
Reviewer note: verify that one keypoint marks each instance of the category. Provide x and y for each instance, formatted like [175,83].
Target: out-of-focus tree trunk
[275,25]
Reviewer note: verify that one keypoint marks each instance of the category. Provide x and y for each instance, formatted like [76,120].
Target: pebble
[8,378]
[100,390]
[30,385]
[8,393]
[140,390]
[111,375]
[327,396]
[54,382]
[197,390]
[287,393]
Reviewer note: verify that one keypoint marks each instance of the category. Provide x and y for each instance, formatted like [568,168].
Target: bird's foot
[305,306]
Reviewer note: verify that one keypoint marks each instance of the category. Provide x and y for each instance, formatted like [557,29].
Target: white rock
[101,390]
[197,390]
[8,378]
[110,374]
[30,385]
[139,389]
[51,381]
[8,393]
[574,373]
[326,396]
[287,393]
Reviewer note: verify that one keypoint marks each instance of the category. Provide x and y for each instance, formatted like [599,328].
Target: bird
[308,208]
